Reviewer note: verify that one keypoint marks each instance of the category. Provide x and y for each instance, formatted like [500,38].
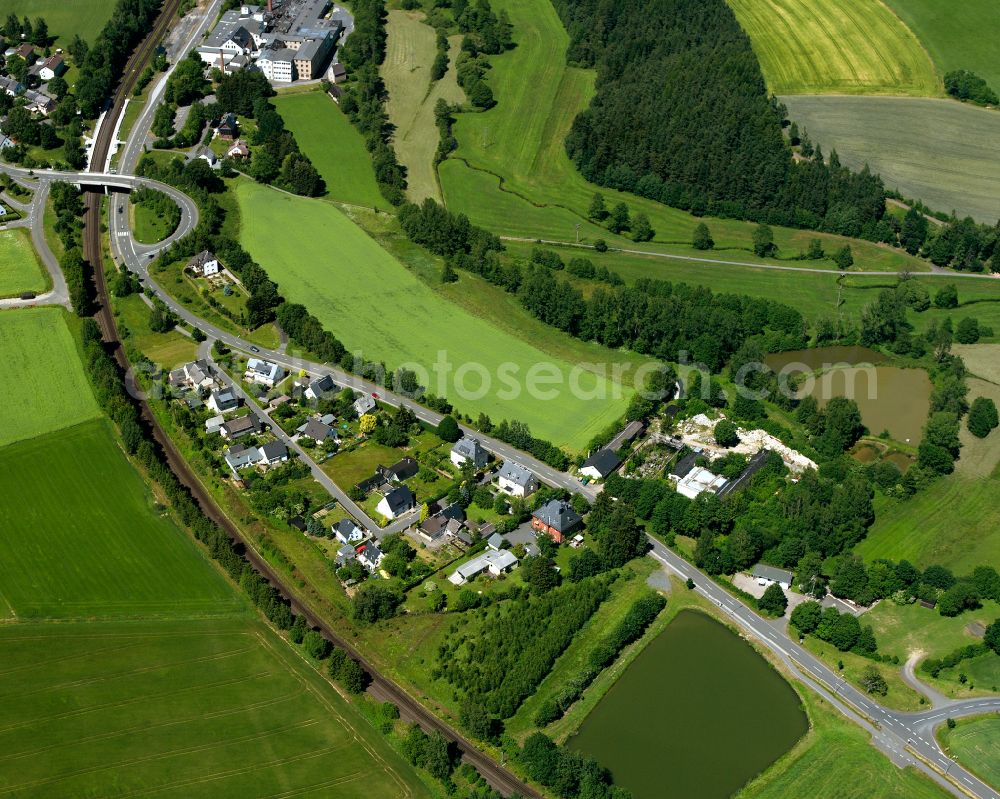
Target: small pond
[698,714]
[888,397]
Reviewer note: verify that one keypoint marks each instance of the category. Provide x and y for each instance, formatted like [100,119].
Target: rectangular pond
[698,714]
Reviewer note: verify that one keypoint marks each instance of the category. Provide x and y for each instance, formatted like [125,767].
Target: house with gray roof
[364,404]
[263,373]
[239,457]
[768,575]
[495,562]
[223,400]
[557,519]
[469,449]
[237,428]
[495,541]
[273,452]
[346,531]
[396,501]
[370,556]
[600,464]
[516,480]
[317,431]
[319,386]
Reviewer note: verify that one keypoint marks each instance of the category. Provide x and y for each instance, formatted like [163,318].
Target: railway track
[381,688]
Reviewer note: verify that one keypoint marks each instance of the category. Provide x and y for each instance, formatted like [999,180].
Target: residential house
[239,457]
[469,449]
[458,534]
[396,501]
[238,150]
[320,386]
[10,86]
[337,73]
[699,480]
[223,400]
[682,466]
[363,404]
[263,373]
[557,519]
[317,431]
[273,452]
[278,401]
[516,480]
[27,52]
[436,525]
[600,464]
[205,264]
[208,156]
[398,472]
[345,555]
[237,428]
[496,562]
[768,575]
[370,556]
[228,128]
[214,423]
[347,531]
[39,102]
[52,66]
[495,542]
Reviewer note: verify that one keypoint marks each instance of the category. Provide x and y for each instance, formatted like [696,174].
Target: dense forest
[682,116]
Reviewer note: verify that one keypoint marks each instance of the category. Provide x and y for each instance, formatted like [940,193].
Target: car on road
[374,395]
[28,295]
[254,349]
[121,208]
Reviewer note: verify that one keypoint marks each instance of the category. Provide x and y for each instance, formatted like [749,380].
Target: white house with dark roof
[370,556]
[263,373]
[469,449]
[273,452]
[205,264]
[516,480]
[396,501]
[240,457]
[496,562]
[600,464]
[769,575]
[346,531]
[364,404]
[223,400]
[213,423]
[317,431]
[319,386]
[52,66]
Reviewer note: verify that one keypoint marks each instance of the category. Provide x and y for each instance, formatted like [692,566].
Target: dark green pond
[695,716]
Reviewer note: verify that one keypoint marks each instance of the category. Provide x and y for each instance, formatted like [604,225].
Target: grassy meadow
[950,32]
[378,307]
[511,173]
[83,537]
[333,144]
[20,269]
[975,743]
[65,18]
[169,350]
[835,46]
[148,226]
[412,96]
[836,759]
[938,151]
[45,387]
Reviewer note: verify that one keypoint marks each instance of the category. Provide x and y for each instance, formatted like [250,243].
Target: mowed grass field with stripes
[836,46]
[129,665]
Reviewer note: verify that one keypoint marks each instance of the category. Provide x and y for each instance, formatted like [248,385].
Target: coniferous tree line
[682,116]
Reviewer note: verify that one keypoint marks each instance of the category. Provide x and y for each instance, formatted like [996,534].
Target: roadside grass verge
[46,388]
[975,743]
[837,759]
[148,226]
[937,151]
[841,46]
[169,350]
[334,273]
[412,96]
[20,268]
[334,146]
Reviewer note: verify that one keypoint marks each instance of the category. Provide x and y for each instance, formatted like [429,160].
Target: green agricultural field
[836,759]
[20,269]
[412,96]
[951,32]
[200,709]
[511,173]
[378,307]
[82,539]
[65,18]
[839,46]
[334,146]
[975,743]
[45,387]
[955,522]
[938,151]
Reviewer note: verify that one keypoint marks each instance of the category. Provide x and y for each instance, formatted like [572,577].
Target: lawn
[218,708]
[45,387]
[412,96]
[65,18]
[82,538]
[20,269]
[938,151]
[148,226]
[904,629]
[511,173]
[379,308]
[955,523]
[168,350]
[975,743]
[334,146]
[835,760]
[837,46]
[950,32]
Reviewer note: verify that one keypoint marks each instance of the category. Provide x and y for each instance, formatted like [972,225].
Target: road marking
[122,232]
